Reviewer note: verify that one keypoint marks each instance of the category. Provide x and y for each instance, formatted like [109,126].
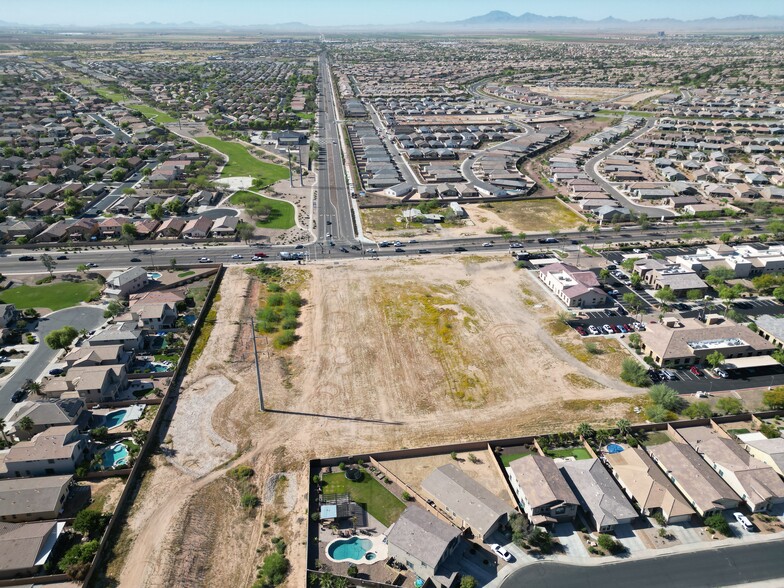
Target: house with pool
[56,451]
[92,384]
[120,284]
[44,415]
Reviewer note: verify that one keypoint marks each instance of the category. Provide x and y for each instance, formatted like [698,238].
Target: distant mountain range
[493,21]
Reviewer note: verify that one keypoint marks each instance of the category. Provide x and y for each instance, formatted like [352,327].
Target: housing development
[494,302]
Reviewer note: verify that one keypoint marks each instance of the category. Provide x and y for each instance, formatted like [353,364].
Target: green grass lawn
[110,95]
[52,296]
[506,459]
[306,115]
[656,438]
[242,163]
[575,452]
[369,493]
[157,116]
[185,274]
[281,215]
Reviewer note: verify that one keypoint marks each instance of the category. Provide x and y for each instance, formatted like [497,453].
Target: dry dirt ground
[579,92]
[400,354]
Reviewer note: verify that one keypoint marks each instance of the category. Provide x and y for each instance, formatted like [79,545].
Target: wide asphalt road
[79,317]
[727,566]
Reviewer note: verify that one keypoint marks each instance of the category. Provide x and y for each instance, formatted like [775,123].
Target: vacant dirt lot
[579,92]
[404,353]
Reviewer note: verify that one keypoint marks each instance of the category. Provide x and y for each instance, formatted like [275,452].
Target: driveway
[567,536]
[79,317]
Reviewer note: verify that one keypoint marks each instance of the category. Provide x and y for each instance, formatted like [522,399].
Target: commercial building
[573,286]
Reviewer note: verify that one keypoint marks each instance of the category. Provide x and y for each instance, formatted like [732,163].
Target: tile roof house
[171,227]
[126,334]
[469,503]
[26,547]
[33,499]
[758,485]
[160,315]
[573,286]
[542,489]
[647,485]
[600,497]
[421,541]
[768,451]
[58,450]
[64,411]
[703,488]
[120,284]
[197,228]
[92,356]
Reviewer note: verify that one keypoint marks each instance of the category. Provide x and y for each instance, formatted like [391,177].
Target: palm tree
[131,426]
[25,424]
[33,387]
[2,429]
[624,426]
[602,436]
[585,430]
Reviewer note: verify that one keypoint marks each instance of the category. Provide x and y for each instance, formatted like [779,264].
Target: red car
[581,331]
[259,254]
[696,371]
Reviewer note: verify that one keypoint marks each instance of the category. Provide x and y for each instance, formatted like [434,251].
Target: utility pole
[301,183]
[258,370]
[291,176]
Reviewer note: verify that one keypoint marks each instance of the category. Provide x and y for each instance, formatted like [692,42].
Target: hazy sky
[337,12]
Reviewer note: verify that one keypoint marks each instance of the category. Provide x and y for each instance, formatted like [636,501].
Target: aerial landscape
[443,295]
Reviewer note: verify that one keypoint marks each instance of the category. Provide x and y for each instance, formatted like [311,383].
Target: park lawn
[52,296]
[368,493]
[544,214]
[157,116]
[281,215]
[111,95]
[242,163]
[306,115]
[575,452]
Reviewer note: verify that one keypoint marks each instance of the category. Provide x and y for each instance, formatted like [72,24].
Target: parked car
[17,396]
[721,373]
[27,258]
[696,371]
[701,394]
[593,330]
[741,518]
[205,260]
[56,371]
[581,331]
[654,376]
[607,329]
[501,552]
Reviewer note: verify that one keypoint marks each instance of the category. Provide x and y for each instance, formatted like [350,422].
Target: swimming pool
[614,448]
[153,275]
[354,549]
[115,418]
[114,456]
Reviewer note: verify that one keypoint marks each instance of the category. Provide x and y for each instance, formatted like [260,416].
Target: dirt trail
[367,374]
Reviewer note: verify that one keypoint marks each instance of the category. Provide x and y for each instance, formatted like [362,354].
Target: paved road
[591,168]
[333,205]
[79,317]
[728,566]
[467,167]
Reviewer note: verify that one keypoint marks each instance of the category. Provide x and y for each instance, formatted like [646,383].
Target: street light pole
[258,370]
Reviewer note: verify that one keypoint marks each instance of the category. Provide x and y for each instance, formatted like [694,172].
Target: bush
[273,570]
[406,497]
[75,559]
[91,523]
[99,433]
[609,544]
[659,518]
[665,397]
[468,582]
[352,571]
[274,287]
[241,472]
[698,410]
[249,500]
[729,405]
[770,431]
[774,399]
[657,414]
[634,373]
[718,523]
[286,339]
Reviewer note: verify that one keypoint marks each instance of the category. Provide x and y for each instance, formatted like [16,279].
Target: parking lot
[688,383]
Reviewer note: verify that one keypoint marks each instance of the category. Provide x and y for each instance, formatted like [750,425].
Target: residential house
[93,384]
[8,315]
[33,499]
[197,228]
[224,226]
[126,334]
[542,490]
[647,485]
[26,547]
[700,485]
[466,501]
[171,228]
[120,284]
[64,411]
[600,497]
[102,355]
[573,286]
[422,543]
[151,316]
[768,451]
[56,451]
[758,485]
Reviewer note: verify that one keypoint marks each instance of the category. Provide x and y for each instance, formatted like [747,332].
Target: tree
[624,426]
[91,523]
[664,396]
[25,423]
[717,522]
[774,399]
[2,429]
[657,414]
[602,436]
[49,263]
[468,582]
[770,431]
[585,430]
[245,232]
[693,295]
[729,405]
[632,302]
[604,274]
[155,211]
[634,373]
[635,340]
[636,281]
[665,296]
[699,410]
[715,359]
[113,309]
[127,240]
[61,338]
[76,560]
[718,275]
[73,206]
[726,237]
[82,268]
[173,264]
[779,293]
[131,426]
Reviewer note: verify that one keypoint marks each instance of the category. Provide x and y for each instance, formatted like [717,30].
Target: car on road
[135,260]
[91,264]
[62,257]
[260,254]
[501,552]
[372,251]
[460,249]
[355,247]
[17,396]
[27,258]
[236,256]
[696,371]
[397,244]
[344,250]
[410,241]
[205,260]
[329,235]
[300,246]
[515,245]
[487,244]
[741,518]
[423,251]
[329,222]
[399,250]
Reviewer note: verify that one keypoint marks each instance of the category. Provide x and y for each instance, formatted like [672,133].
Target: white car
[487,244]
[236,256]
[593,330]
[741,518]
[501,552]
[205,260]
[608,329]
[721,373]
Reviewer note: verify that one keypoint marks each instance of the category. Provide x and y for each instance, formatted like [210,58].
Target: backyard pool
[614,448]
[154,275]
[354,549]
[114,456]
[114,419]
